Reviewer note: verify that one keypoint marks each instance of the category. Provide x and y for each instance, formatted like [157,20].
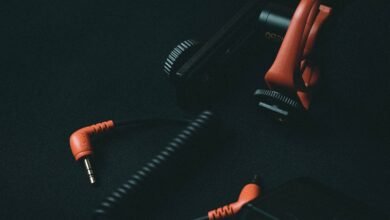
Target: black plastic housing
[257,29]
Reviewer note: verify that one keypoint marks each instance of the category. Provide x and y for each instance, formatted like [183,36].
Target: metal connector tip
[88,167]
[92,179]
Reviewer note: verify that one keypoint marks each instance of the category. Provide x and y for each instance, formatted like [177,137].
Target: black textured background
[65,64]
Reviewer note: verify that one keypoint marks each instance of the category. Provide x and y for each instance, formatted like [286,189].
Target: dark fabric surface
[66,64]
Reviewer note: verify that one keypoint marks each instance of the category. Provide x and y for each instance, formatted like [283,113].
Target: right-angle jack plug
[81,147]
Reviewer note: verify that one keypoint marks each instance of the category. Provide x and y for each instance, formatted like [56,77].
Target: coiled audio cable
[125,196]
[81,144]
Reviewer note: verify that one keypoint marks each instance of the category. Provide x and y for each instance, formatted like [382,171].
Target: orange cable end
[250,192]
[80,140]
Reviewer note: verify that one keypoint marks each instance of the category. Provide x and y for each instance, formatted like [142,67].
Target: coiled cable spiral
[222,212]
[194,130]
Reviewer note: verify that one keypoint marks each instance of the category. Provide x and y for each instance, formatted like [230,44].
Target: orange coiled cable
[250,192]
[222,212]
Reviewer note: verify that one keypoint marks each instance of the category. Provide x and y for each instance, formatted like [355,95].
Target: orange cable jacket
[80,140]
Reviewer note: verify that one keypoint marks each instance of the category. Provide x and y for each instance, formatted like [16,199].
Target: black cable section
[203,218]
[128,190]
[150,121]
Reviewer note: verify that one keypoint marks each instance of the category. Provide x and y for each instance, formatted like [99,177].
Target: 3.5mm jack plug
[80,144]
[88,167]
